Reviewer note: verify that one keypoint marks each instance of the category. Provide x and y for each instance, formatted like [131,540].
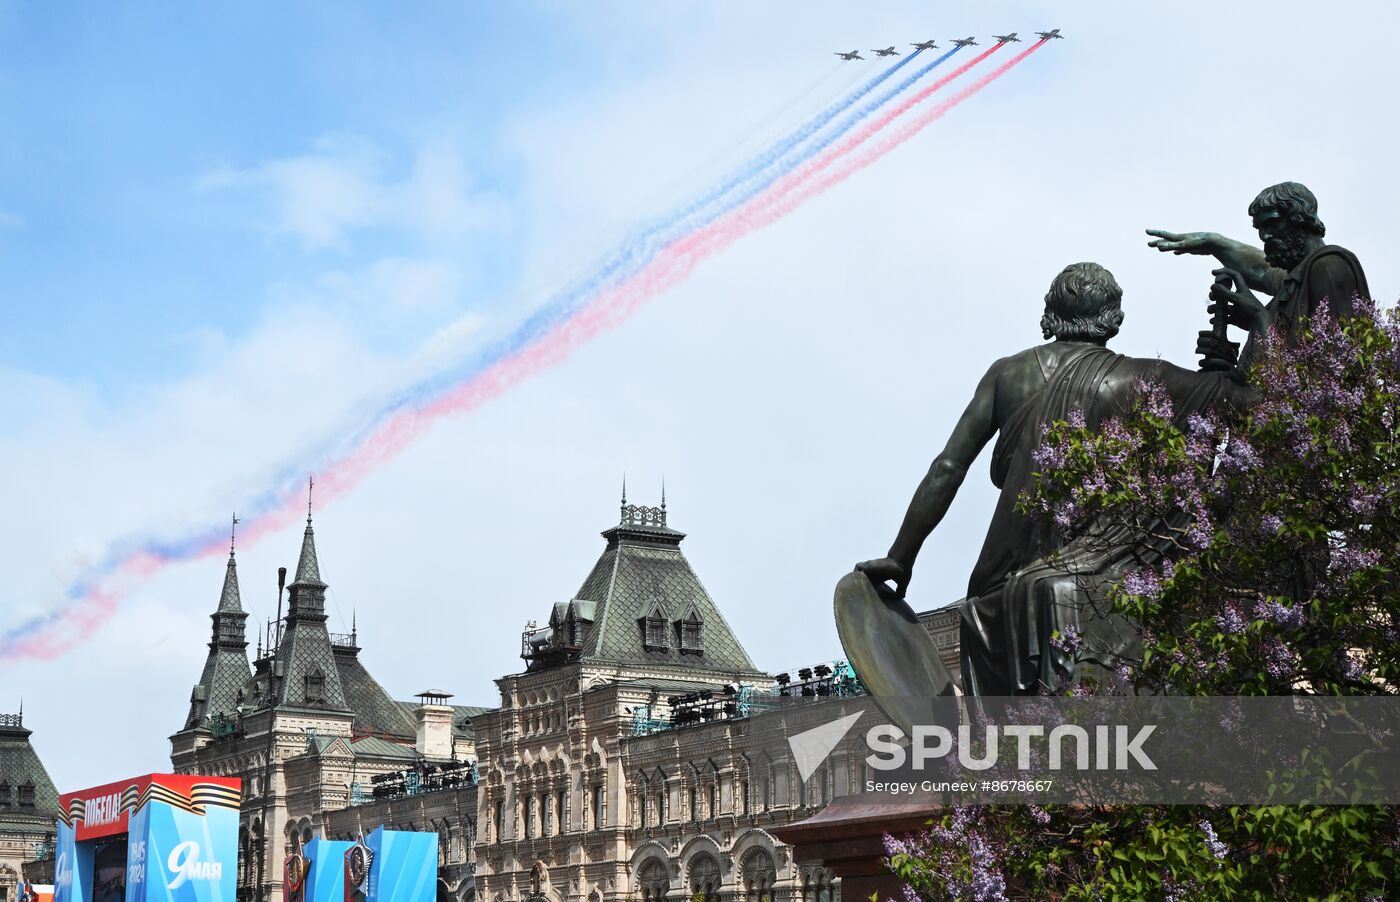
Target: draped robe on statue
[1028,583]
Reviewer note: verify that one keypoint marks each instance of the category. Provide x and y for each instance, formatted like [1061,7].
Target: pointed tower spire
[226,668]
[230,602]
[308,570]
[663,493]
[354,627]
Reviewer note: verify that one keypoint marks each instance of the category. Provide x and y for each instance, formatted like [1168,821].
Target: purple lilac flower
[1347,560]
[1271,610]
[1145,583]
[1231,620]
[1271,523]
[1213,843]
[1239,457]
[1177,892]
[1280,661]
[1231,718]
[1066,641]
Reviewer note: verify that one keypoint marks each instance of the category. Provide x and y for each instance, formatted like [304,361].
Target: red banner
[105,810]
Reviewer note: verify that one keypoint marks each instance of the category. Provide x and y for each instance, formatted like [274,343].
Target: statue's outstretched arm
[1246,259]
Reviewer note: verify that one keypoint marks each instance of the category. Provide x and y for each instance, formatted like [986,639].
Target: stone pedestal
[848,837]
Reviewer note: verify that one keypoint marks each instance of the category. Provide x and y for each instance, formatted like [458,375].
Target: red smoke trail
[871,128]
[776,207]
[670,267]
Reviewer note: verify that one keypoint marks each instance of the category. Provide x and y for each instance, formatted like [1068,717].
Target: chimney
[434,725]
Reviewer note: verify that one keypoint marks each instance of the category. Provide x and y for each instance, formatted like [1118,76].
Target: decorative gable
[654,627]
[690,637]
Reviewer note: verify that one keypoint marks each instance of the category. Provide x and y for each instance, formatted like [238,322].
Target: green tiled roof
[374,747]
[305,649]
[20,766]
[375,712]
[226,669]
[640,572]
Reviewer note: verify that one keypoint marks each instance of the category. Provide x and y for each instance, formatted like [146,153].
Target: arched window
[653,880]
[704,879]
[759,874]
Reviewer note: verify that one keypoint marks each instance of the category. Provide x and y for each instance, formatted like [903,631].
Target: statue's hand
[1183,242]
[884,571]
[1242,308]
[1218,355]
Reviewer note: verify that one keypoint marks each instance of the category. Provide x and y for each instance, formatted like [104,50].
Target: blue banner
[405,866]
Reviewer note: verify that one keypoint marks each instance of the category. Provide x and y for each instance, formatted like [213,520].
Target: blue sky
[224,227]
[114,114]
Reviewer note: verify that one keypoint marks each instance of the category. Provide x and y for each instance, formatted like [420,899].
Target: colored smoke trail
[672,265]
[802,185]
[635,253]
[547,340]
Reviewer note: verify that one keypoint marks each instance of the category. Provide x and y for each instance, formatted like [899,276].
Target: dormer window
[26,795]
[315,687]
[689,631]
[654,627]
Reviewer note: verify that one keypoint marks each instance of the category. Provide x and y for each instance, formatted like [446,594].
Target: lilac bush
[1270,543]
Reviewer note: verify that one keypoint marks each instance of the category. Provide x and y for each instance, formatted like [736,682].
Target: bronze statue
[1295,266]
[1028,582]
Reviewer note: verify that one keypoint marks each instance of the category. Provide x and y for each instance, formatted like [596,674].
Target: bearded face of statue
[1286,243]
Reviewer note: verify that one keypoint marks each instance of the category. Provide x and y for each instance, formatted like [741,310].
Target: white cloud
[343,185]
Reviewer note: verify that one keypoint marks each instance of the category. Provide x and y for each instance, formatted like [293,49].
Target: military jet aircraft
[853,55]
[964,42]
[925,45]
[1007,38]
[888,51]
[1052,33]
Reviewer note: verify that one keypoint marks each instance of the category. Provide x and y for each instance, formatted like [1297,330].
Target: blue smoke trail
[756,175]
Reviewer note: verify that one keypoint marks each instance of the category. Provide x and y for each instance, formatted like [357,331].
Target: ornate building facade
[28,805]
[302,723]
[640,755]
